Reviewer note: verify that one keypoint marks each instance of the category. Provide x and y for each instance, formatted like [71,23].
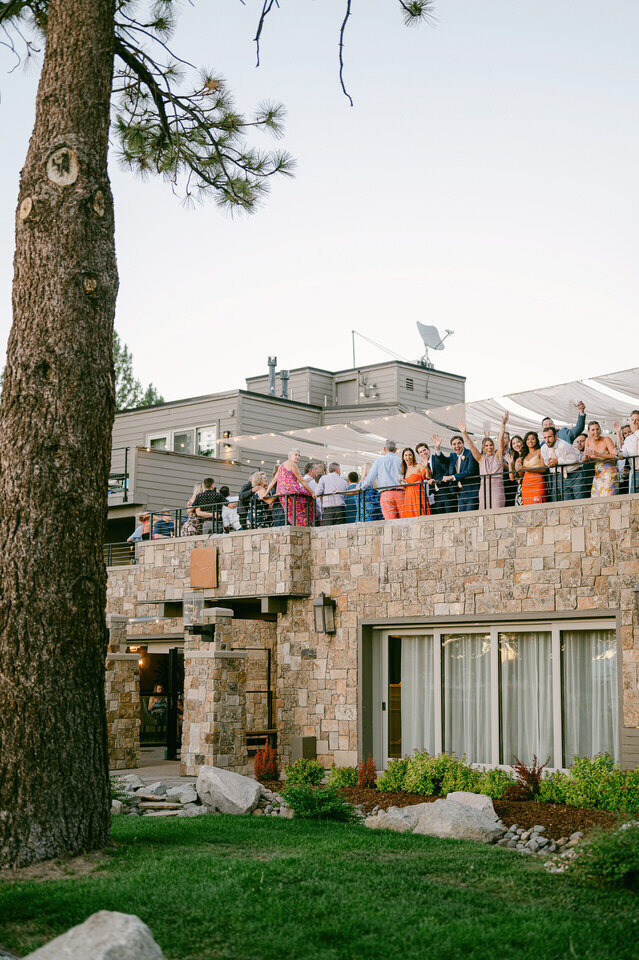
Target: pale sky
[484,181]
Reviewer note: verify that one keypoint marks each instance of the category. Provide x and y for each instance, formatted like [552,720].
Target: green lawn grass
[267,889]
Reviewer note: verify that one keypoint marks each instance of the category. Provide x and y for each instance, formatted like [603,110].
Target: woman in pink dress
[491,465]
[294,492]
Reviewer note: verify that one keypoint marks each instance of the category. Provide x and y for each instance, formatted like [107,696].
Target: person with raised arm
[569,433]
[491,467]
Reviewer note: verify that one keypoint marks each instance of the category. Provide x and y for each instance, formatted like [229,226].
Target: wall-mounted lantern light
[226,435]
[324,614]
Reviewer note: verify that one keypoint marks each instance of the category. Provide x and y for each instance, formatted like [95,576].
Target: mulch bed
[558,819]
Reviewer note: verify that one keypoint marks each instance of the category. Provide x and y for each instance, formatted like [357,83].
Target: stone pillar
[214,728]
[122,697]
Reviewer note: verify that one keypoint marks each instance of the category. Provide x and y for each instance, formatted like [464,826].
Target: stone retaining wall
[541,560]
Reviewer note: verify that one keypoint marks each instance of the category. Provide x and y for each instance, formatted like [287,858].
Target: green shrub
[317,803]
[553,787]
[494,783]
[594,782]
[342,777]
[460,775]
[393,777]
[610,857]
[305,771]
[598,782]
[425,774]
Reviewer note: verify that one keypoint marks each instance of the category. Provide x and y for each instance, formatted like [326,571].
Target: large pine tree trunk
[55,438]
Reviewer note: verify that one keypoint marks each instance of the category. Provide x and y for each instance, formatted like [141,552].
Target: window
[177,441]
[410,383]
[206,441]
[493,693]
[183,442]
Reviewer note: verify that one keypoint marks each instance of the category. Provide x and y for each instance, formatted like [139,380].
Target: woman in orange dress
[533,487]
[415,494]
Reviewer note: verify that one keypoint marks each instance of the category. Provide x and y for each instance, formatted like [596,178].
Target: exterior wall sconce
[324,614]
[226,435]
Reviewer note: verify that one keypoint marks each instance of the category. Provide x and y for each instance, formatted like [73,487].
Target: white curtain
[466,665]
[526,697]
[417,675]
[590,692]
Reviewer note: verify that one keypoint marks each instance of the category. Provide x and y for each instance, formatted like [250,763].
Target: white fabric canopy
[624,381]
[362,440]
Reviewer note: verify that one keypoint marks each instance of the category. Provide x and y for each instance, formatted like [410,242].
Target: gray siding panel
[430,389]
[629,747]
[264,415]
[165,479]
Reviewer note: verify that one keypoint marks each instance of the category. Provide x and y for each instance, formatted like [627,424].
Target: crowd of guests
[572,463]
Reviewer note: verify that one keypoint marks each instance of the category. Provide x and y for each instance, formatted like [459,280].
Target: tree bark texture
[55,442]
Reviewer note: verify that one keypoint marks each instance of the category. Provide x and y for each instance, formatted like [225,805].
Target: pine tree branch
[341,50]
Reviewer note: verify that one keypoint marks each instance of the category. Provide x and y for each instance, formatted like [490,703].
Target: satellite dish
[430,336]
[432,340]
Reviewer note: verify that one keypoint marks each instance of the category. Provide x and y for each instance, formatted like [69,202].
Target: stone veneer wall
[122,697]
[538,560]
[214,727]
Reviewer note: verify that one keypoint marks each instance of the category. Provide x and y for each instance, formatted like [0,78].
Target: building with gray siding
[160,452]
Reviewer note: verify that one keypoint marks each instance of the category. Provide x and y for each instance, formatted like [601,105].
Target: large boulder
[104,936]
[477,800]
[227,792]
[458,821]
[399,819]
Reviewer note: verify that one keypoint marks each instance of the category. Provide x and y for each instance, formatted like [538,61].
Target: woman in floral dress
[602,451]
[294,492]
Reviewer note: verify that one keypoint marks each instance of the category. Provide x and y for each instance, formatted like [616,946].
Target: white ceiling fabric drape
[351,443]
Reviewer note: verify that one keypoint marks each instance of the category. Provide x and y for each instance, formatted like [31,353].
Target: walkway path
[154,767]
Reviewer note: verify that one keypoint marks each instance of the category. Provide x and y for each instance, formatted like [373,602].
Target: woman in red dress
[415,492]
[533,487]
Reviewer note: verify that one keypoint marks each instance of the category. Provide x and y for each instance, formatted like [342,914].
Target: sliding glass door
[526,694]
[466,695]
[499,692]
[408,714]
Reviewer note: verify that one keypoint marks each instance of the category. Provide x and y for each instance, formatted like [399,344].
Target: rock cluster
[536,841]
[216,791]
[471,816]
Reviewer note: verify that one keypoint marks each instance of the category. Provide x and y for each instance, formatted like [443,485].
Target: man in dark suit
[460,480]
[436,495]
